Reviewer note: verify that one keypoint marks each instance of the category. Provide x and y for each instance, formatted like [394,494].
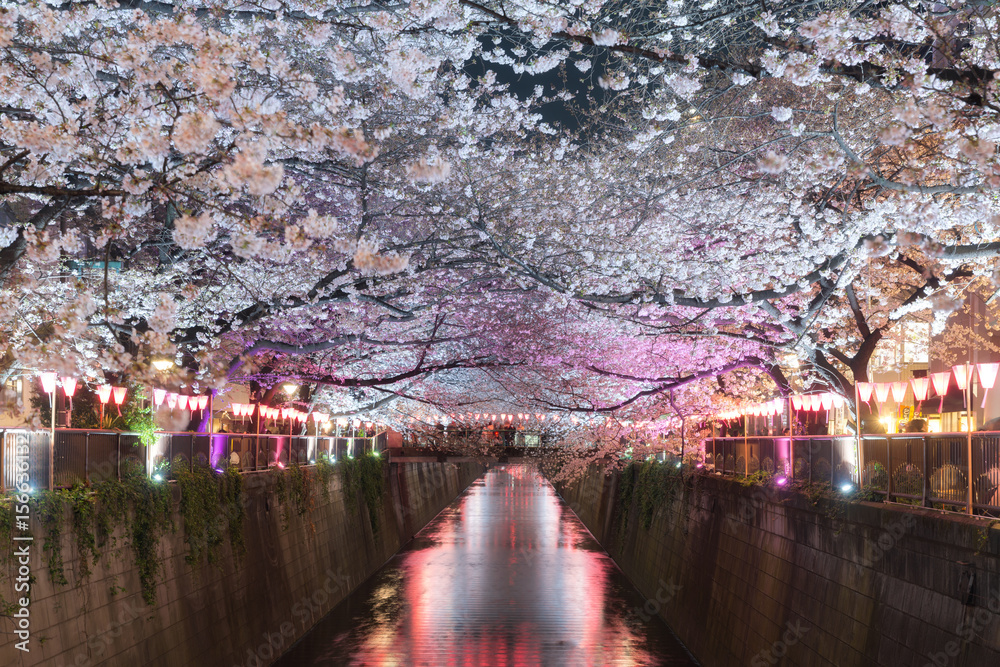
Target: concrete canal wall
[300,561]
[750,576]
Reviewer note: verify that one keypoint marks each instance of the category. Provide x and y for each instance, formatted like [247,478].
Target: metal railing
[929,468]
[90,456]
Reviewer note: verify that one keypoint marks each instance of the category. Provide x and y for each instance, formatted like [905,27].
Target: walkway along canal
[506,575]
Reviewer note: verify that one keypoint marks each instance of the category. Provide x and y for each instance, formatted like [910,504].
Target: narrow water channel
[506,575]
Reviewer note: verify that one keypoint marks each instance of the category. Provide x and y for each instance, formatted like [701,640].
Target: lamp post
[49,387]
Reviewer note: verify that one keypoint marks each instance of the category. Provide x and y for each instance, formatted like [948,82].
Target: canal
[506,575]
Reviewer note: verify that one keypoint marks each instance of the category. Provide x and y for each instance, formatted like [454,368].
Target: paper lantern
[119,394]
[796,402]
[838,401]
[158,396]
[182,402]
[815,401]
[988,373]
[899,391]
[203,401]
[961,376]
[248,409]
[882,392]
[920,386]
[987,377]
[171,401]
[48,382]
[865,391]
[941,381]
[779,405]
[237,409]
[827,400]
[69,386]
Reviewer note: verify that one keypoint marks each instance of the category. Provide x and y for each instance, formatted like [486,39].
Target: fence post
[812,446]
[791,453]
[86,458]
[888,465]
[927,477]
[118,457]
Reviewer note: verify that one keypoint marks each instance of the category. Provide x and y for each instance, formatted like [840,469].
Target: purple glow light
[218,450]
[781,481]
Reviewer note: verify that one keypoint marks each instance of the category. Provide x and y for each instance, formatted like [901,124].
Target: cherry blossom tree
[588,209]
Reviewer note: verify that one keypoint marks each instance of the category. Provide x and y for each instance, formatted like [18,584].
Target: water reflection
[506,575]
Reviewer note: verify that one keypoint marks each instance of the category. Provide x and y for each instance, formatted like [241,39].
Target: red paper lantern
[119,394]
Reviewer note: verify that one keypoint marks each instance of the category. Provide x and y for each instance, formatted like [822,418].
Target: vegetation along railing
[91,456]
[928,468]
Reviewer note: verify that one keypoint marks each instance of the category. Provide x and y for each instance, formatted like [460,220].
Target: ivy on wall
[212,505]
[365,477]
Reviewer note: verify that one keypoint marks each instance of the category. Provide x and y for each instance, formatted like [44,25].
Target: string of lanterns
[963,374]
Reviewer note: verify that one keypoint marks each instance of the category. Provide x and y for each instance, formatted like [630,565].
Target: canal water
[506,575]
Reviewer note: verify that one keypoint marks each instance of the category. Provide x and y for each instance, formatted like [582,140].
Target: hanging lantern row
[50,380]
[489,418]
[281,414]
[767,409]
[174,401]
[963,375]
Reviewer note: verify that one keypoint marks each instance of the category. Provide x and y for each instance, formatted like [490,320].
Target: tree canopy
[623,209]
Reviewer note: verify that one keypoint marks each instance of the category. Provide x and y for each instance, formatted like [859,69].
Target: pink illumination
[941,381]
[203,402]
[48,382]
[317,417]
[158,396]
[899,391]
[882,392]
[171,401]
[827,400]
[69,386]
[119,394]
[987,377]
[237,409]
[838,401]
[286,413]
[865,391]
[815,401]
[796,402]
[248,409]
[781,481]
[182,402]
[988,373]
[920,386]
[961,376]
